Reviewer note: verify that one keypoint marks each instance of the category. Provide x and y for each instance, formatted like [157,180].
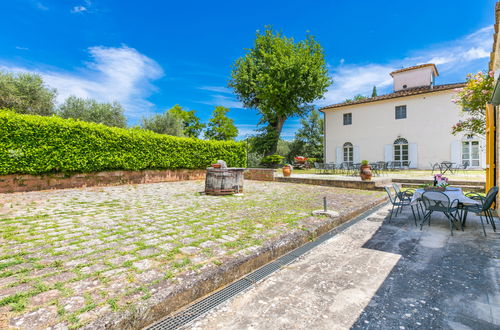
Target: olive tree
[26,93]
[90,110]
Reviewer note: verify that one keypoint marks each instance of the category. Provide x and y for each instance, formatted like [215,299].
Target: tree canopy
[221,127]
[280,78]
[472,98]
[192,124]
[165,123]
[309,138]
[90,110]
[26,93]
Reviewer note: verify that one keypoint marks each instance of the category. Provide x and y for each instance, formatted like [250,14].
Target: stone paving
[68,257]
[378,275]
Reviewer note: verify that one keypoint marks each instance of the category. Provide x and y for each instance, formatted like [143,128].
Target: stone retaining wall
[25,182]
[351,184]
[260,174]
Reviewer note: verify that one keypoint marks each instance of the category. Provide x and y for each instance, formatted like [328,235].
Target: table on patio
[453,193]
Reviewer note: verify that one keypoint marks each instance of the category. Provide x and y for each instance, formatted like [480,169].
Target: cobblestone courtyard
[67,257]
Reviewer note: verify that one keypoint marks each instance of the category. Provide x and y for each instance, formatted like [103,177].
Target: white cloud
[81,8]
[78,9]
[40,6]
[455,58]
[217,89]
[113,74]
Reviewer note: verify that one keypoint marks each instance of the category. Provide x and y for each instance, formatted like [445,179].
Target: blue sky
[151,55]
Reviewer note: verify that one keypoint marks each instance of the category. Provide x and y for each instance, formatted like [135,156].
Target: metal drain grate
[203,306]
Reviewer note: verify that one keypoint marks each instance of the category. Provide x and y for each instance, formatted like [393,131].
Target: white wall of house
[427,127]
[414,78]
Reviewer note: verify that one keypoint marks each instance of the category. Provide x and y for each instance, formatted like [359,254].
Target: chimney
[414,77]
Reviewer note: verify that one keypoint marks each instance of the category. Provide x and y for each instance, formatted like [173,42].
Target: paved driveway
[378,275]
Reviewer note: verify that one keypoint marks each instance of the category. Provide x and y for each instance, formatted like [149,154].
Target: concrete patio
[378,275]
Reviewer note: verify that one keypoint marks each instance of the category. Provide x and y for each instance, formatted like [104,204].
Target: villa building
[412,125]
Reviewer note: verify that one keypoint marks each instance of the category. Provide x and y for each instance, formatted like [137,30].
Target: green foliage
[309,138]
[280,78]
[473,98]
[164,123]
[220,127]
[192,124]
[34,145]
[364,162]
[374,91]
[90,110]
[358,97]
[272,160]
[26,93]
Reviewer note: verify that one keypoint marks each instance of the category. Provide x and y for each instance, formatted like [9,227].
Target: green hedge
[33,145]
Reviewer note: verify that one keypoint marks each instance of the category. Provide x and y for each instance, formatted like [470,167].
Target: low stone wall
[25,182]
[260,174]
[351,184]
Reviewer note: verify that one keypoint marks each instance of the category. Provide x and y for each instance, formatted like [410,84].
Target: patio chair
[407,197]
[436,201]
[319,167]
[382,167]
[375,169]
[485,207]
[436,167]
[399,204]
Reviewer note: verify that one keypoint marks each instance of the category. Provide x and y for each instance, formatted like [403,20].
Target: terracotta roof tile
[416,67]
[402,93]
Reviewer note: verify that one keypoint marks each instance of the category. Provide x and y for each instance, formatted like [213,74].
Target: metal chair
[407,197]
[435,201]
[398,204]
[485,207]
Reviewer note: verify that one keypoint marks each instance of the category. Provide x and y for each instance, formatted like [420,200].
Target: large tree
[309,138]
[472,98]
[220,126]
[165,123]
[110,114]
[26,93]
[280,78]
[192,124]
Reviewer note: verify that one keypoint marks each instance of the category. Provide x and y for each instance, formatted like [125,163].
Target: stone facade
[25,182]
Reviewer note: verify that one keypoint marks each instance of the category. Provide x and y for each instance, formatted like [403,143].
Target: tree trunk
[277,127]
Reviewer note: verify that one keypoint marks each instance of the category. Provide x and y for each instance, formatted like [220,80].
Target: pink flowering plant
[442,181]
[473,98]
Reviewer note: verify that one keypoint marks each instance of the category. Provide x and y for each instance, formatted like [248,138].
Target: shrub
[272,160]
[34,145]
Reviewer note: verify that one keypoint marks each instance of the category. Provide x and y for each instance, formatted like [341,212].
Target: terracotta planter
[287,171]
[216,165]
[365,172]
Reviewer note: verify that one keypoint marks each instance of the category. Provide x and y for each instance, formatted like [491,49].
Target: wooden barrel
[224,181]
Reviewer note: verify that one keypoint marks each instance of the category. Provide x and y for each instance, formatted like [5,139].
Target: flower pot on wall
[365,172]
[287,170]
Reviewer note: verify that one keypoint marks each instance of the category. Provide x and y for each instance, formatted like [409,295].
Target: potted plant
[287,170]
[365,171]
[300,159]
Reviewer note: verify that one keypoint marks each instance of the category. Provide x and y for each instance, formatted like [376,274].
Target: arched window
[401,151]
[348,152]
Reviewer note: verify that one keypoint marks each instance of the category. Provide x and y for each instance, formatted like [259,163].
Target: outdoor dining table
[453,193]
[447,166]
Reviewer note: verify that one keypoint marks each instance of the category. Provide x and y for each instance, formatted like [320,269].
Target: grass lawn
[70,256]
